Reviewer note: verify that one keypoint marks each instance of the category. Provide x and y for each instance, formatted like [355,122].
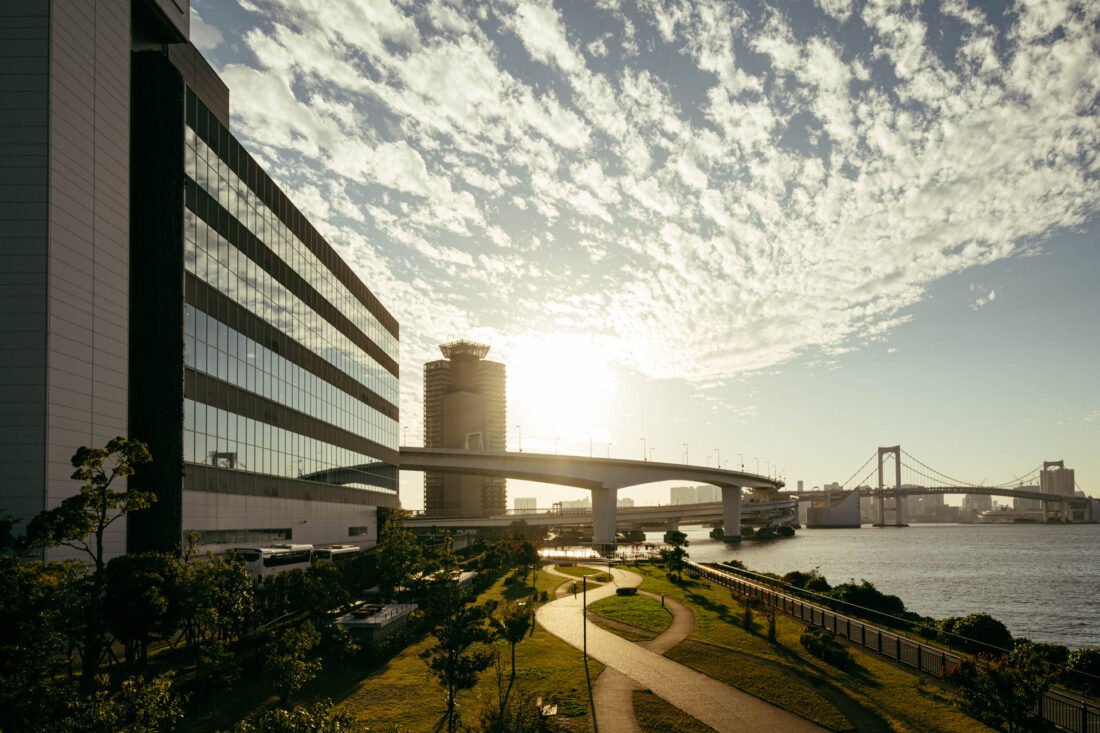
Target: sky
[771,234]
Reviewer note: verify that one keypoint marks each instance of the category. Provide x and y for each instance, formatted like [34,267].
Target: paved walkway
[705,698]
[613,691]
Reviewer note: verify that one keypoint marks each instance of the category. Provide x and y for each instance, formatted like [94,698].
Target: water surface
[1041,581]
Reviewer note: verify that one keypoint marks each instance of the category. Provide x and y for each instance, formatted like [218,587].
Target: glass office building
[222,329]
[289,364]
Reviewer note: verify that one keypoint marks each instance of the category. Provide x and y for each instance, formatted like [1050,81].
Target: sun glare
[559,388]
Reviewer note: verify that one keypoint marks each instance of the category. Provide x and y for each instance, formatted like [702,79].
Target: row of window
[243,536]
[213,259]
[218,437]
[212,347]
[214,176]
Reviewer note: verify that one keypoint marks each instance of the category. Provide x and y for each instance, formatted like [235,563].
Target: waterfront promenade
[708,700]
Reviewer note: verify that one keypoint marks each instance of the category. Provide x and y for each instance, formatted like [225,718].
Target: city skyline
[789,234]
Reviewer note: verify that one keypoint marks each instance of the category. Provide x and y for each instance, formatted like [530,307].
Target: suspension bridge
[1050,484]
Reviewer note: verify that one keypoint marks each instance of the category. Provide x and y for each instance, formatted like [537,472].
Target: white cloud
[205,37]
[739,211]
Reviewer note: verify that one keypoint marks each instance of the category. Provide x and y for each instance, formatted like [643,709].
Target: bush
[980,632]
[823,645]
[626,591]
[810,581]
[1084,665]
[868,596]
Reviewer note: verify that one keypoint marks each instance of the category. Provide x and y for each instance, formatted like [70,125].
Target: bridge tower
[899,514]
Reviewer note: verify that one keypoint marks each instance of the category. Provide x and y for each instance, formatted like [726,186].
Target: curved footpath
[705,698]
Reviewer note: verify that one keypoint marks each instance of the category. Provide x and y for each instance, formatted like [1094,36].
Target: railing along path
[1058,708]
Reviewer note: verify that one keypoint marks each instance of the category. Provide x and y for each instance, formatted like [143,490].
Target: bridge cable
[957,482]
[872,457]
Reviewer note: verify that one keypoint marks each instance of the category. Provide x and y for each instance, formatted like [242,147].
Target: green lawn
[765,683]
[639,611]
[654,715]
[901,698]
[401,695]
[578,571]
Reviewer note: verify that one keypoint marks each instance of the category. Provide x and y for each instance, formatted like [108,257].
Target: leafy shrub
[980,631]
[823,645]
[868,596]
[626,591]
[1085,666]
[811,581]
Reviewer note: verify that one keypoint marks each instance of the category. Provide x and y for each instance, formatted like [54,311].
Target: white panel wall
[89,236]
[312,522]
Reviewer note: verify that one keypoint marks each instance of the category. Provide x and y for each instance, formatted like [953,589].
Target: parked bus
[265,561]
[334,553]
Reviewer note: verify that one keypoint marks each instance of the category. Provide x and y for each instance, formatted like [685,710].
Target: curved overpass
[602,476]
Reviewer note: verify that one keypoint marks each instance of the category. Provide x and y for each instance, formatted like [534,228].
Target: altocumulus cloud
[737,183]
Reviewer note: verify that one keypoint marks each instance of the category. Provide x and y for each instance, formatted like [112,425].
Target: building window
[243,536]
[358,531]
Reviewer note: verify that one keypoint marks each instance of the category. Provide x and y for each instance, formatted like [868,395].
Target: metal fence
[1058,708]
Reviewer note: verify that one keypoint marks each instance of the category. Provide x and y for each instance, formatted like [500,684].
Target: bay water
[1041,581]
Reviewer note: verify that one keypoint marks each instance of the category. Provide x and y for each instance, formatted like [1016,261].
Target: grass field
[654,715]
[895,696]
[639,611]
[401,695]
[578,571]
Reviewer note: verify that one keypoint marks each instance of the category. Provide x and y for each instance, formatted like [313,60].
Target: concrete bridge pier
[731,513]
[604,502]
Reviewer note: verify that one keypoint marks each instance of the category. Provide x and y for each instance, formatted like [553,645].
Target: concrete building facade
[157,284]
[465,406]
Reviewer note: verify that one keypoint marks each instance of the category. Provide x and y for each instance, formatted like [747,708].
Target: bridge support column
[603,515]
[1065,510]
[731,513]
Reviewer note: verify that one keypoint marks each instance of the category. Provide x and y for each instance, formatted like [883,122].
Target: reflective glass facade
[290,364]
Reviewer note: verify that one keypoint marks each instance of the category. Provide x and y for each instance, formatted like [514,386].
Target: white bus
[333,553]
[265,561]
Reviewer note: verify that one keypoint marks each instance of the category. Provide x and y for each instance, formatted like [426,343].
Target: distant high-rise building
[681,495]
[1027,505]
[464,407]
[624,501]
[707,493]
[524,504]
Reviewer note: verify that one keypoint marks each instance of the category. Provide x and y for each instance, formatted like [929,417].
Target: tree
[1004,690]
[459,654]
[40,611]
[512,625]
[515,712]
[678,540]
[1085,667]
[137,599]
[81,521]
[286,663]
[867,595]
[398,555]
[137,706]
[980,632]
[322,717]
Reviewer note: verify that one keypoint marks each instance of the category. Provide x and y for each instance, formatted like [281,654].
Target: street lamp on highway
[645,453]
[685,453]
[519,438]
